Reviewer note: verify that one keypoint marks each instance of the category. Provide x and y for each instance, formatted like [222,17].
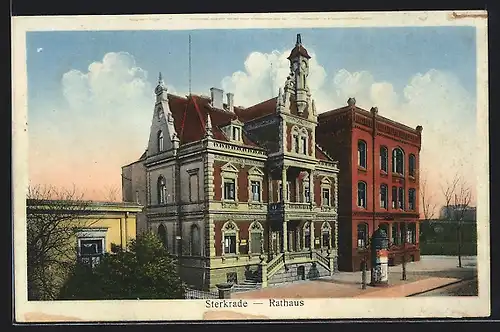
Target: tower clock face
[295,66]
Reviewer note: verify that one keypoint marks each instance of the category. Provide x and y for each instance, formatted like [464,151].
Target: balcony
[290,206]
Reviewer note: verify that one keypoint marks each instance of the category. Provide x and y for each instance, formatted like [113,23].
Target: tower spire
[189,65]
[299,40]
[160,79]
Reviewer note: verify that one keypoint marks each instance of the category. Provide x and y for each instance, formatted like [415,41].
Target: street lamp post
[404,254]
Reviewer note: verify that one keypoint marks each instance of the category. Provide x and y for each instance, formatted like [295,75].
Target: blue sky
[416,75]
[391,54]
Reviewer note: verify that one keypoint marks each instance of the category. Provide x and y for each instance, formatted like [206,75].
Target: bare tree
[428,204]
[53,218]
[458,196]
[111,193]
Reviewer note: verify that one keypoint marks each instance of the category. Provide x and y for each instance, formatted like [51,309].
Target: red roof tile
[256,111]
[190,114]
[321,155]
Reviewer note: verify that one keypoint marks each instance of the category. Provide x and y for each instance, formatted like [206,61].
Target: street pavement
[429,273]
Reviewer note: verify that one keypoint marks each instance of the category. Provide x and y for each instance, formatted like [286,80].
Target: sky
[90,93]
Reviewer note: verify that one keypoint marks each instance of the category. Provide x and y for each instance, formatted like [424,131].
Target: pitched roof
[190,115]
[257,111]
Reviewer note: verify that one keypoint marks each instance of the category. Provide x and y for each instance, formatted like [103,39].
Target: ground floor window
[402,231]
[411,233]
[230,244]
[362,235]
[394,234]
[307,236]
[90,251]
[256,240]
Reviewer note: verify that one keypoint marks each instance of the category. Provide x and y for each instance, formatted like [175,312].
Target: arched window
[383,196]
[362,194]
[162,190]
[162,234]
[411,198]
[195,240]
[383,158]
[326,230]
[362,153]
[411,165]
[256,237]
[362,235]
[394,197]
[398,160]
[160,141]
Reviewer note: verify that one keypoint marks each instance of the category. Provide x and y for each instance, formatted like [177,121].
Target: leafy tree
[145,271]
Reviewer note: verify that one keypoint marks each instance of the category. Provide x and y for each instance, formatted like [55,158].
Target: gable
[229,168]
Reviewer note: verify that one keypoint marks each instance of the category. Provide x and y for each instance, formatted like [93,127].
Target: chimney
[230,102]
[216,95]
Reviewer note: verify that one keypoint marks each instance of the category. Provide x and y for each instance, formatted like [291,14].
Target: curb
[443,286]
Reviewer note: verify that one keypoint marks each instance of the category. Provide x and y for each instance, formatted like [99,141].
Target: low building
[95,226]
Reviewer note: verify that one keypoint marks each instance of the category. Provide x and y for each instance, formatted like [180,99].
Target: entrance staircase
[247,285]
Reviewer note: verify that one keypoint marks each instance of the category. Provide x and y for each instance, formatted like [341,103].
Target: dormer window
[236,133]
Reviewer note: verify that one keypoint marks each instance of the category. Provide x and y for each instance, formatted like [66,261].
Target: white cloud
[435,99]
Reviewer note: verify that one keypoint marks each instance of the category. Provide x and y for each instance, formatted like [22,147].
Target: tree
[111,193]
[428,205]
[53,218]
[145,271]
[458,196]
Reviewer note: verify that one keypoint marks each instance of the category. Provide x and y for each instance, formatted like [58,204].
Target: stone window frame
[238,125]
[364,203]
[298,146]
[326,228]
[229,171]
[230,228]
[395,162]
[161,190]
[255,174]
[256,227]
[191,173]
[326,183]
[191,240]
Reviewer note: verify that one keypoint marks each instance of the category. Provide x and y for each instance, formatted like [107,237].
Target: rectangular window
[307,240]
[193,188]
[304,145]
[394,197]
[256,239]
[411,199]
[230,244]
[383,197]
[307,195]
[255,191]
[326,196]
[236,133]
[137,196]
[401,198]
[296,143]
[229,189]
[90,251]
[394,235]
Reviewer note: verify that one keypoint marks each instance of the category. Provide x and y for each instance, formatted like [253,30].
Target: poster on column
[168,122]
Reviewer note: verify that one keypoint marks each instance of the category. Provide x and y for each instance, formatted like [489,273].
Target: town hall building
[240,195]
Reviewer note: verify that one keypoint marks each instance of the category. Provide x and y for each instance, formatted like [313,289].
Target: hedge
[448,248]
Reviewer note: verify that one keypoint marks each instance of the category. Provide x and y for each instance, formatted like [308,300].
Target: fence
[192,294]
